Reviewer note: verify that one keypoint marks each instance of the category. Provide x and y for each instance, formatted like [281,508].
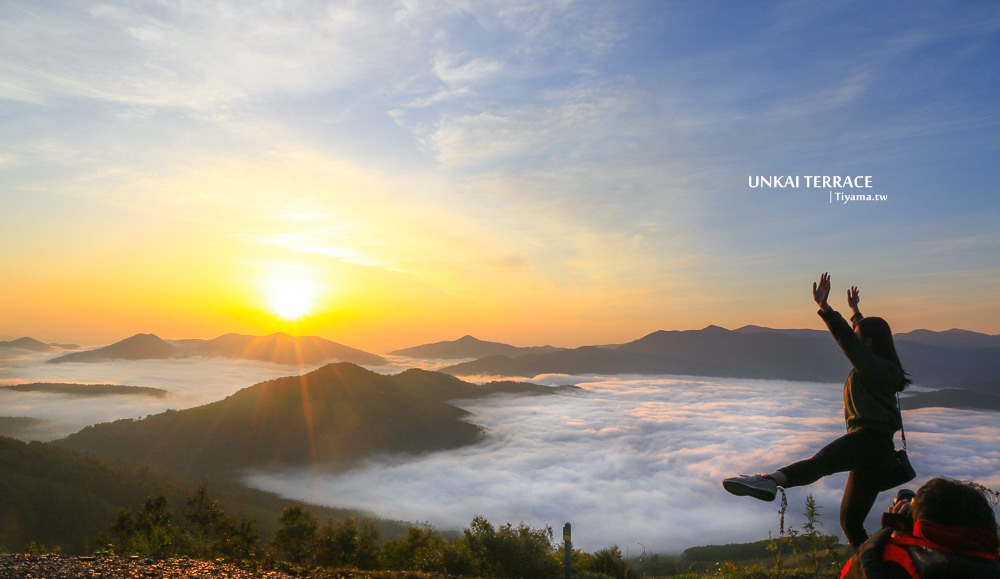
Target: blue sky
[562,172]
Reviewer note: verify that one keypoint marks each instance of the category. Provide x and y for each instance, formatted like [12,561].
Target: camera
[900,521]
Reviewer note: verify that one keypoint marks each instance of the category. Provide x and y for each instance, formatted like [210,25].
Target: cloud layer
[634,461]
[189,382]
[626,460]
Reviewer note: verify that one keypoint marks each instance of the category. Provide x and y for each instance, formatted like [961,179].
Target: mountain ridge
[753,352]
[335,415]
[29,343]
[278,347]
[468,347]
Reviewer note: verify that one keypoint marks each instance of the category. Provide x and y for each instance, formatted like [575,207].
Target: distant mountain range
[953,358]
[955,338]
[951,398]
[469,347]
[87,389]
[940,359]
[335,415]
[279,348]
[34,345]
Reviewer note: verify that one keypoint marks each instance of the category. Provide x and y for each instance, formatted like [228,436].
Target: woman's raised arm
[821,291]
[853,297]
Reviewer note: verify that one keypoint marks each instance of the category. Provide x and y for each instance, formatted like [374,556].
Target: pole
[568,548]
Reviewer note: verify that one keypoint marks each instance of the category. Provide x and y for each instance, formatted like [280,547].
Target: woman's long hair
[878,331]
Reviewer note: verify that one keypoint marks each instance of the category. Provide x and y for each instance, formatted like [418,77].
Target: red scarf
[959,539]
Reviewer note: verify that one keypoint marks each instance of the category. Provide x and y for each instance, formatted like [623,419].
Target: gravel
[63,567]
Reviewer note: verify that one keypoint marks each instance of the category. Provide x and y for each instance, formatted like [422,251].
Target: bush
[294,540]
[421,550]
[606,562]
[512,551]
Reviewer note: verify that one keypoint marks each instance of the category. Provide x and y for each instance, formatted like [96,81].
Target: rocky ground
[63,567]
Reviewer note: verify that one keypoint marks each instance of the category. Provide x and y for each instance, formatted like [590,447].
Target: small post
[568,548]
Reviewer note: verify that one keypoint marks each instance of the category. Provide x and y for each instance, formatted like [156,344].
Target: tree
[366,555]
[214,532]
[154,528]
[607,562]
[150,534]
[210,525]
[120,535]
[421,550]
[337,546]
[512,551]
[294,540]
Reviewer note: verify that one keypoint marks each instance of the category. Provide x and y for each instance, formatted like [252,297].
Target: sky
[390,173]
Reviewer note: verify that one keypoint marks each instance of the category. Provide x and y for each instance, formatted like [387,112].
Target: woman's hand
[853,297]
[821,291]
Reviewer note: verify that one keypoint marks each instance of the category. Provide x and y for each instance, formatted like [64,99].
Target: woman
[871,412]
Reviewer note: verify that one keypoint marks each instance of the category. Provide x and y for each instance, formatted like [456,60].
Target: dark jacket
[931,552]
[871,386]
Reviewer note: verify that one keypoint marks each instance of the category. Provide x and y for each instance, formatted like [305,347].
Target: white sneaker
[756,486]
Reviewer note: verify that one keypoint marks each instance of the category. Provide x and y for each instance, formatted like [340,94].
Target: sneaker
[757,486]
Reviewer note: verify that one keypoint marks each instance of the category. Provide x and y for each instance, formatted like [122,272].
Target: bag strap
[902,430]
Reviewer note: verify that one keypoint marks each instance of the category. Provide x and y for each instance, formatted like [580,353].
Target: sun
[291,293]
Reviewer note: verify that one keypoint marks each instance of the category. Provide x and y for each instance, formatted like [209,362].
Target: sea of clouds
[634,461]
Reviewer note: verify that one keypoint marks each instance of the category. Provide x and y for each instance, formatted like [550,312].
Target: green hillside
[53,496]
[335,416]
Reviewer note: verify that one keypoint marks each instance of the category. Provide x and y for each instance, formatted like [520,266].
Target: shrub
[512,551]
[294,540]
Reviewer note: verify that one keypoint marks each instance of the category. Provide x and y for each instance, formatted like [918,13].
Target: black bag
[900,471]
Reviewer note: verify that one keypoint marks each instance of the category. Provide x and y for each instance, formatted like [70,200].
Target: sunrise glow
[291,293]
[565,173]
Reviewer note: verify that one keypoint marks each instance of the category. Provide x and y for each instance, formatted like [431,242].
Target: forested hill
[335,415]
[56,497]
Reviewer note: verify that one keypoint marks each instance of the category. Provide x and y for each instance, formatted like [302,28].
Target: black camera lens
[904,495]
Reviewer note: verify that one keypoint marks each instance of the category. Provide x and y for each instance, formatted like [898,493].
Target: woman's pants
[866,453]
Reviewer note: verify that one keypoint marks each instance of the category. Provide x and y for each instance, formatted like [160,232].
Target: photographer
[948,530]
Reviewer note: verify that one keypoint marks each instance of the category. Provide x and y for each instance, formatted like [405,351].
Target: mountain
[952,398]
[34,345]
[469,347]
[751,329]
[335,415]
[764,353]
[955,338]
[279,348]
[712,351]
[138,347]
[22,427]
[57,497]
[87,389]
[283,349]
[972,368]
[749,352]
